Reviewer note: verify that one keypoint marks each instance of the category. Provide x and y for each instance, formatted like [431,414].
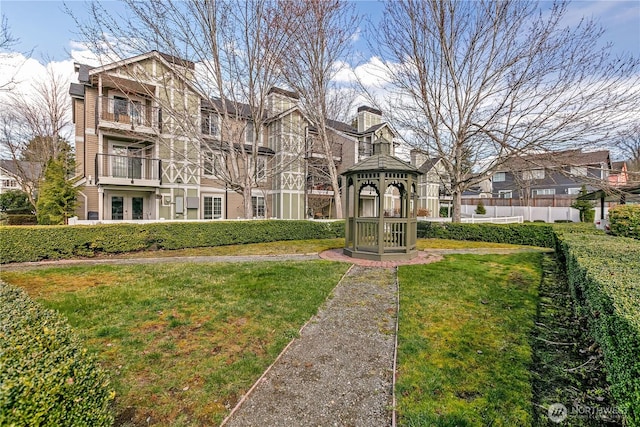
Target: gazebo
[380,207]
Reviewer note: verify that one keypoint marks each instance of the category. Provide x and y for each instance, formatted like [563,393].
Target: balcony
[127,170]
[124,114]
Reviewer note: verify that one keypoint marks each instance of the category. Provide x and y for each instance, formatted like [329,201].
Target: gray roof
[557,158]
[76,90]
[429,164]
[32,170]
[382,162]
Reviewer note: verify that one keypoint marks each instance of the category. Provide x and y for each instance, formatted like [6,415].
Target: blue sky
[44,28]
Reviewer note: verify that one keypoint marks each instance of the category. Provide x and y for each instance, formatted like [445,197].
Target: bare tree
[486,81]
[628,142]
[317,45]
[7,41]
[36,128]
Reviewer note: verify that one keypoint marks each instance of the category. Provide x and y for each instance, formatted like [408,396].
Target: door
[128,207]
[117,208]
[137,208]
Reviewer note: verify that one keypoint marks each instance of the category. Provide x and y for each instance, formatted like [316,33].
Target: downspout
[306,172]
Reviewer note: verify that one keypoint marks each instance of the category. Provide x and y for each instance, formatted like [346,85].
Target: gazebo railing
[364,234]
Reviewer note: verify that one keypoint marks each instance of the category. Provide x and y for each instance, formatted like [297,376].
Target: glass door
[137,208]
[117,207]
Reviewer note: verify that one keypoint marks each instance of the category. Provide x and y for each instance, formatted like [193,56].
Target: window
[211,163]
[248,132]
[210,124]
[578,170]
[499,177]
[258,206]
[9,183]
[543,192]
[574,190]
[120,107]
[505,194]
[261,168]
[212,207]
[533,174]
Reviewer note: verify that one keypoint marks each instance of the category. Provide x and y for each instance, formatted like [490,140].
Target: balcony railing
[133,114]
[127,170]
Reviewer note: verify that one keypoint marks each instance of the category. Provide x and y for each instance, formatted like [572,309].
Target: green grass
[183,342]
[464,353]
[298,247]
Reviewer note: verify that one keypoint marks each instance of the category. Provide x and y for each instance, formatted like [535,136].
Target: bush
[517,234]
[24,244]
[480,209]
[624,220]
[603,275]
[444,212]
[22,219]
[47,378]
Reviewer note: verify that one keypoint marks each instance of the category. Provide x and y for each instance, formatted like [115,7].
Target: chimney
[367,117]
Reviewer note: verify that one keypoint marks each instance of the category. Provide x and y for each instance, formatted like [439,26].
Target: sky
[48,38]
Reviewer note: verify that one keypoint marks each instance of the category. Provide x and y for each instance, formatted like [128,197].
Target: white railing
[479,220]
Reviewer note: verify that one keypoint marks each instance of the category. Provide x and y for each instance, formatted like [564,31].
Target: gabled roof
[556,159]
[12,167]
[382,162]
[429,164]
[168,60]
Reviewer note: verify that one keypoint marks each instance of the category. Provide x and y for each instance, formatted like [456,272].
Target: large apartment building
[151,146]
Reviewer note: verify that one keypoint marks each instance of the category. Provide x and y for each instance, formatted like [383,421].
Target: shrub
[624,220]
[480,209]
[444,212]
[24,244]
[518,234]
[47,378]
[22,219]
[603,275]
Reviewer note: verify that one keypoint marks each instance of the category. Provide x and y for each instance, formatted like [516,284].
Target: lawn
[464,353]
[183,342]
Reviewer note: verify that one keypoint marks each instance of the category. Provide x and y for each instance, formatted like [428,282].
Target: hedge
[47,378]
[25,244]
[624,220]
[540,235]
[604,276]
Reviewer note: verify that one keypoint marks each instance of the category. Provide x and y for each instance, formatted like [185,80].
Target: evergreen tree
[480,209]
[58,196]
[584,206]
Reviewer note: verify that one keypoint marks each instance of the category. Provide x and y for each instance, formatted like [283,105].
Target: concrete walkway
[339,372]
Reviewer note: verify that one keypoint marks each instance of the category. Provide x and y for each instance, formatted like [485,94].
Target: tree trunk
[457,206]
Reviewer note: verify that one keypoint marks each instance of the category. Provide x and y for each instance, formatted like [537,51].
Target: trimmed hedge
[47,378]
[624,220]
[25,244]
[518,234]
[604,276]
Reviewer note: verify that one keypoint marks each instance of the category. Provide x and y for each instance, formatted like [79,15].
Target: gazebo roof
[382,162]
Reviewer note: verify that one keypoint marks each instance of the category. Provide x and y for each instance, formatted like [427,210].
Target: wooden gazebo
[380,207]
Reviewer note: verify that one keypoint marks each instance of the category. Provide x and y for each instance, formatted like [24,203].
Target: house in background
[554,174]
[19,175]
[149,146]
[433,188]
[619,174]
